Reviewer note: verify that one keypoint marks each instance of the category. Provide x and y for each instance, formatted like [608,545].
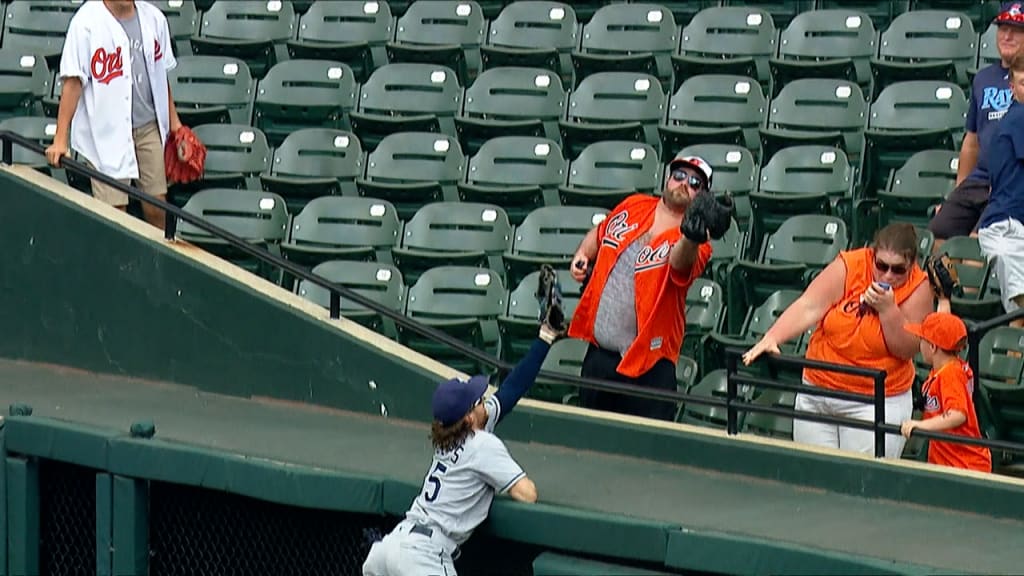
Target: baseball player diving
[116,107]
[470,463]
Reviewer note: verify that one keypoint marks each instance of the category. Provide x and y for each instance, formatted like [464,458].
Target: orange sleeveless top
[844,338]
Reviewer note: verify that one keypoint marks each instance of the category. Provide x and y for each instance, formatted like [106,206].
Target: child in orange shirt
[947,392]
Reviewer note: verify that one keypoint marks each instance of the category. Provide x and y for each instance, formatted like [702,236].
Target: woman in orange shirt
[948,394]
[859,303]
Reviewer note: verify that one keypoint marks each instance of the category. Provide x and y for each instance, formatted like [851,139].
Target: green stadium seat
[817,111]
[628,38]
[463,302]
[343,228]
[351,32]
[906,117]
[714,384]
[314,162]
[182,21]
[771,425]
[783,11]
[406,98]
[442,32]
[411,169]
[304,94]
[988,47]
[453,234]
[881,12]
[999,377]
[24,82]
[519,173]
[613,106]
[725,251]
[549,235]
[606,172]
[926,45]
[37,128]
[715,109]
[684,10]
[250,30]
[259,218]
[802,246]
[379,282]
[974,272]
[564,357]
[705,313]
[729,40]
[735,171]
[535,34]
[235,157]
[836,44]
[518,327]
[754,323]
[800,180]
[38,27]
[980,12]
[920,185]
[510,102]
[212,89]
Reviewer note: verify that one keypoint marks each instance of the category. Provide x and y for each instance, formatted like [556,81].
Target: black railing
[732,402]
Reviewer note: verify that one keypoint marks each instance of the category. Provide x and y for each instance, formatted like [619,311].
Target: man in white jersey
[116,107]
[470,465]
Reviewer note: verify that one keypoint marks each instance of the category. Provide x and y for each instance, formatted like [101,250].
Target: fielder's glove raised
[708,215]
[942,276]
[549,297]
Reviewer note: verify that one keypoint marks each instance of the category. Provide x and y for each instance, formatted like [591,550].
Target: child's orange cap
[943,329]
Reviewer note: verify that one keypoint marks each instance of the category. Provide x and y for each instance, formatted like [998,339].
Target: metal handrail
[731,403]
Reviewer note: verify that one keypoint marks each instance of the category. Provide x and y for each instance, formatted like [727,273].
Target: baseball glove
[708,215]
[184,156]
[942,276]
[549,297]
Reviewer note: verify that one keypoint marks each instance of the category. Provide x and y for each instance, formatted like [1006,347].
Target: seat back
[808,170]
[924,35]
[838,33]
[919,105]
[630,29]
[718,100]
[556,230]
[416,157]
[319,153]
[248,214]
[613,97]
[459,227]
[518,161]
[411,88]
[730,31]
[765,314]
[705,301]
[972,267]
[512,93]
[442,22]
[38,26]
[457,292]
[379,282]
[38,128]
[809,239]
[617,165]
[331,221]
[350,22]
[881,12]
[535,24]
[182,18]
[234,149]
[255,20]
[930,173]
[300,93]
[199,82]
[821,105]
[24,81]
[988,47]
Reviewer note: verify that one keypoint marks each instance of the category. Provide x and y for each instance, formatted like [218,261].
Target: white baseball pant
[406,552]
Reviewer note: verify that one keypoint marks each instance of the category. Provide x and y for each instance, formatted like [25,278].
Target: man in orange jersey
[638,264]
[947,392]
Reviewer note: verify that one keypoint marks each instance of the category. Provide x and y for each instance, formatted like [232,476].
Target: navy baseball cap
[1011,13]
[454,398]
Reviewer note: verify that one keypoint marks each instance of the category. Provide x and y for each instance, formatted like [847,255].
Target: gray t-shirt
[615,324]
[460,485]
[143,108]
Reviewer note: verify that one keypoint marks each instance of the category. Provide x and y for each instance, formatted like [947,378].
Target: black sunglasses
[680,175]
[884,267]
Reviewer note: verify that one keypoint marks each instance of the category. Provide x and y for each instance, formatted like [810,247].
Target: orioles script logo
[158,53]
[107,65]
[617,228]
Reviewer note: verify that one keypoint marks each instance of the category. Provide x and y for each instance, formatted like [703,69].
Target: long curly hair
[448,438]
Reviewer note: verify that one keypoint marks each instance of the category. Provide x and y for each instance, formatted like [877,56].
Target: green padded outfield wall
[79,290]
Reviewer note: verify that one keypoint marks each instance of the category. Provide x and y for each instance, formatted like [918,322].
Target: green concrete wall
[78,290]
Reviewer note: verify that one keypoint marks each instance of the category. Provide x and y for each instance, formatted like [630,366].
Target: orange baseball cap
[943,329]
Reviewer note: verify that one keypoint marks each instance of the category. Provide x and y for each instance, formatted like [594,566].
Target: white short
[406,552]
[898,409]
[1004,241]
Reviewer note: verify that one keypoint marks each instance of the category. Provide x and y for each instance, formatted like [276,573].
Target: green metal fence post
[104,523]
[22,516]
[131,526]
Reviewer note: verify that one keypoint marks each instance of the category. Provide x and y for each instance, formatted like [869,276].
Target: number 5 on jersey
[434,481]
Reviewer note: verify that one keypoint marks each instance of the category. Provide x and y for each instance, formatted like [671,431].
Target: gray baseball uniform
[456,497]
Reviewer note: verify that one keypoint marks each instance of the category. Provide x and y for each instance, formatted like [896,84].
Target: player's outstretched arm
[524,490]
[519,381]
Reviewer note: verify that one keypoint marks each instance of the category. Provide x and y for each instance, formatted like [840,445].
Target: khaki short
[149,154]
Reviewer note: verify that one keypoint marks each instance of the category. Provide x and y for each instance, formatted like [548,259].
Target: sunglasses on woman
[680,175]
[883,267]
